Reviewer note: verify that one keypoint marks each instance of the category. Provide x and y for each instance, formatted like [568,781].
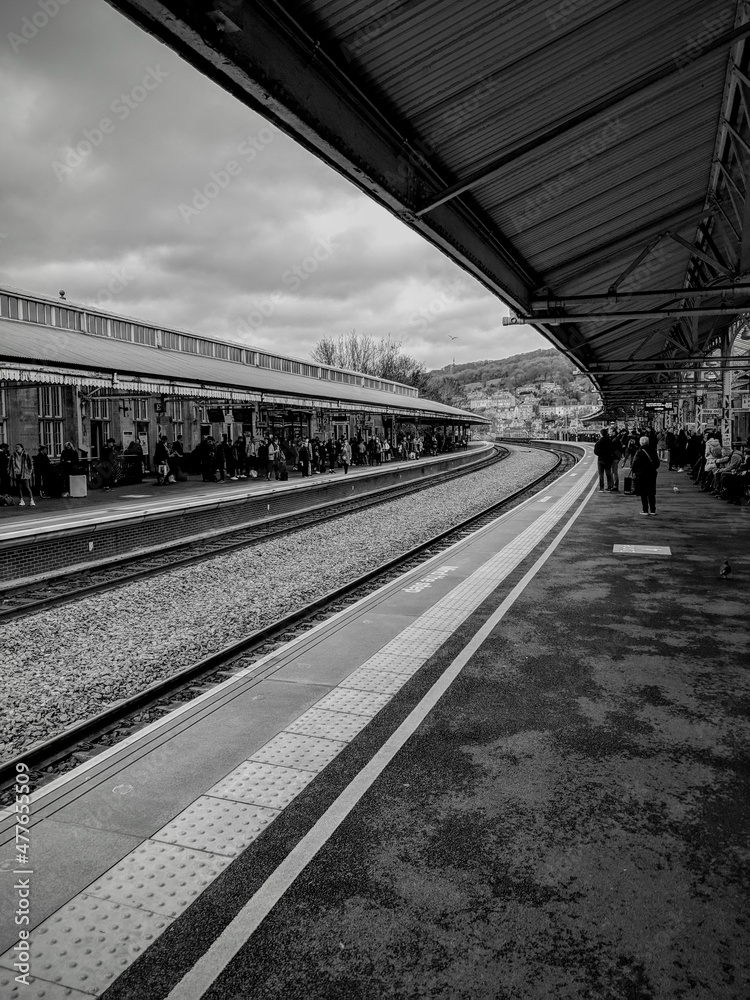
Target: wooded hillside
[520,369]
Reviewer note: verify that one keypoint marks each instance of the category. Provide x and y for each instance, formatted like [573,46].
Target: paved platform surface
[137,495]
[565,814]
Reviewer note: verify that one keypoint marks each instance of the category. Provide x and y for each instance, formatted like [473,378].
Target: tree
[362,353]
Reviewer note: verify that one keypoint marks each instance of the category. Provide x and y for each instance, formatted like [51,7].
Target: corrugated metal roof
[583,130]
[40,345]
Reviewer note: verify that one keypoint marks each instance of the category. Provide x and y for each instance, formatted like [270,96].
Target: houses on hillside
[536,408]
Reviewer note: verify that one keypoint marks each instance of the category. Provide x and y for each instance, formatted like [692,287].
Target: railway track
[63,589]
[83,740]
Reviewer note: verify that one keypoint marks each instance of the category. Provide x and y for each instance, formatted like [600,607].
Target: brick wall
[26,561]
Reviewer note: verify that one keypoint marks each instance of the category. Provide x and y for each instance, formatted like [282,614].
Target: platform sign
[652,550]
[745,401]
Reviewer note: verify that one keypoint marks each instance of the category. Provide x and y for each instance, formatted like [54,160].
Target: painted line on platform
[213,962]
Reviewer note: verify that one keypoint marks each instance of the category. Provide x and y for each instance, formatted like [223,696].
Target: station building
[69,372]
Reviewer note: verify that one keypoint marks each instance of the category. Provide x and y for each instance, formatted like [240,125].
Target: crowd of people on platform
[268,457]
[271,457]
[722,470]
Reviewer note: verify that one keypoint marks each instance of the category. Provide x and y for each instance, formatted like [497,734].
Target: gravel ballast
[63,665]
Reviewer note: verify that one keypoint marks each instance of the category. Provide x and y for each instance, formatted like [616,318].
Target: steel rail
[254,534]
[63,745]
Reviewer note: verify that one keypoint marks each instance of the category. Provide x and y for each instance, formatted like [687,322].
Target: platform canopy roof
[587,161]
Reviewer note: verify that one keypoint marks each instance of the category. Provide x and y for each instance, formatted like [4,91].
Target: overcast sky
[281,252]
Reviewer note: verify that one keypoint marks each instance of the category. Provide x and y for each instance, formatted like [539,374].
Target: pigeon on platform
[675,490]
[725,570]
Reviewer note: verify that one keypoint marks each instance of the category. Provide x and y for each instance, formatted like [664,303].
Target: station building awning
[40,354]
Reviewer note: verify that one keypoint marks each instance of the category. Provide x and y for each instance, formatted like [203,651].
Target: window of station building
[121,330]
[144,335]
[264,360]
[140,409]
[99,409]
[189,344]
[97,324]
[51,418]
[9,306]
[174,409]
[51,435]
[175,412]
[171,340]
[37,312]
[235,353]
[68,319]
[208,348]
[50,401]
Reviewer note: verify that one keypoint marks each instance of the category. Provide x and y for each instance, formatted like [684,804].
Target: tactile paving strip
[97,926]
[357,702]
[393,661]
[263,784]
[375,680]
[90,941]
[295,750]
[217,825]
[36,990]
[329,725]
[162,878]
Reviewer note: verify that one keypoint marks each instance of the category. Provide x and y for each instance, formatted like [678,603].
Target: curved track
[85,739]
[63,589]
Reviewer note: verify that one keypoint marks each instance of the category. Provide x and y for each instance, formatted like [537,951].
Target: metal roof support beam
[561,302]
[596,317]
[722,212]
[730,183]
[487,170]
[631,267]
[712,246]
[721,269]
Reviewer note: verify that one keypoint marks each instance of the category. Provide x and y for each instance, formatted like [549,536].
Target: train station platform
[518,771]
[58,536]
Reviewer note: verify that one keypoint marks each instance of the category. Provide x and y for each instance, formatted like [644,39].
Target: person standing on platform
[615,463]
[645,464]
[263,459]
[43,472]
[22,470]
[603,452]
[304,458]
[346,455]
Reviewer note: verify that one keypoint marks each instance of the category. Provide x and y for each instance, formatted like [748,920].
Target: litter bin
[78,486]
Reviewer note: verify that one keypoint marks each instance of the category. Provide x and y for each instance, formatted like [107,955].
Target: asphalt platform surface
[570,821]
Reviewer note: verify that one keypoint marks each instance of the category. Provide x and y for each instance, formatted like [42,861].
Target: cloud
[202,208]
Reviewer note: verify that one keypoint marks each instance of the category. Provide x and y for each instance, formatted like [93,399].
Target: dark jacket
[645,464]
[603,449]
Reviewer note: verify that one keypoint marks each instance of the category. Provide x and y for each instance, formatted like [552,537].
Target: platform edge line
[215,960]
